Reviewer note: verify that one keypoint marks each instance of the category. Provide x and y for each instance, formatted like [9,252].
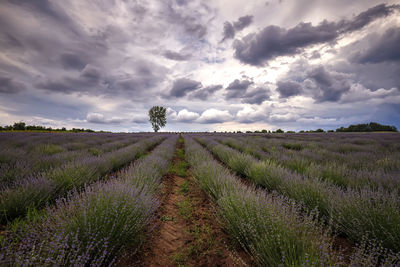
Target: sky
[223,65]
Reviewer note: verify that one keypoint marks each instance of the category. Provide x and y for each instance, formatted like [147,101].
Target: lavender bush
[356,213]
[271,229]
[57,182]
[96,226]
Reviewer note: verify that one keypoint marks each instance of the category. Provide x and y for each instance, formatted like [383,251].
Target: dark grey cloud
[256,96]
[327,86]
[374,60]
[242,22]
[43,7]
[99,118]
[10,86]
[43,35]
[367,17]
[176,56]
[72,61]
[94,80]
[237,89]
[181,87]
[230,29]
[206,92]
[88,80]
[316,81]
[384,48]
[288,88]
[143,77]
[274,41]
[190,23]
[140,119]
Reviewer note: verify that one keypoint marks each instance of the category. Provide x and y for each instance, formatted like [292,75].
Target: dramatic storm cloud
[215,65]
[275,41]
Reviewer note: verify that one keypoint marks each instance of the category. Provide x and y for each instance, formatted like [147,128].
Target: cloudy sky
[215,65]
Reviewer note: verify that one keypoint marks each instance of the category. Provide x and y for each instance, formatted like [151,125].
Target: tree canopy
[368,127]
[158,118]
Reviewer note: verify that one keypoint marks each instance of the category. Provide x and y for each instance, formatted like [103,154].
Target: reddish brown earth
[190,238]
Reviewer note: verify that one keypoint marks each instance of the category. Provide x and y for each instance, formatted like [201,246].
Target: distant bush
[21,126]
[368,127]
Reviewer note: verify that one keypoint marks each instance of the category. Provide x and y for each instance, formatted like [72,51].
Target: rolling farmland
[200,199]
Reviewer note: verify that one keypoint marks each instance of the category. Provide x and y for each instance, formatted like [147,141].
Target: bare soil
[187,232]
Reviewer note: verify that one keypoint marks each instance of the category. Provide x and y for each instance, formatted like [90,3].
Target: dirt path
[187,233]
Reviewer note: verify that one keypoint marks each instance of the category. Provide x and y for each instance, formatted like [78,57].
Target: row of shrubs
[271,227]
[330,169]
[17,164]
[357,214]
[97,226]
[37,191]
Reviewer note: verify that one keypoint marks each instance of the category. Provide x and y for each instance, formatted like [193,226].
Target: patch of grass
[293,146]
[180,153]
[94,151]
[184,187]
[203,239]
[185,209]
[180,257]
[179,168]
[166,218]
[49,149]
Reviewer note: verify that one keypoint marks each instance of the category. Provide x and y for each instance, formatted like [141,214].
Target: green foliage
[166,218]
[179,168]
[185,209]
[49,149]
[21,126]
[184,187]
[158,118]
[181,153]
[293,146]
[94,151]
[368,127]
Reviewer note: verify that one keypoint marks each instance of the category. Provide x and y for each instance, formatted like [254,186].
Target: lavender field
[100,199]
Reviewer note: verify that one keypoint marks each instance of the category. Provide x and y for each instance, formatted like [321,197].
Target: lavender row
[10,154]
[94,227]
[334,172]
[272,228]
[35,192]
[365,152]
[28,141]
[357,214]
[33,164]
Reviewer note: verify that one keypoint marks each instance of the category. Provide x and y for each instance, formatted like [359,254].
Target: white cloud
[251,114]
[95,118]
[171,114]
[213,115]
[360,93]
[99,118]
[283,117]
[186,116]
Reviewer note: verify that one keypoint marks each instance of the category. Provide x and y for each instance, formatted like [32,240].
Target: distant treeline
[363,127]
[368,127]
[21,126]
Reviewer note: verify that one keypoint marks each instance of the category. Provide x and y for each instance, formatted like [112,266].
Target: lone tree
[157,116]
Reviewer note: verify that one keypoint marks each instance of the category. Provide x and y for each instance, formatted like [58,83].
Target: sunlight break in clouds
[213,65]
